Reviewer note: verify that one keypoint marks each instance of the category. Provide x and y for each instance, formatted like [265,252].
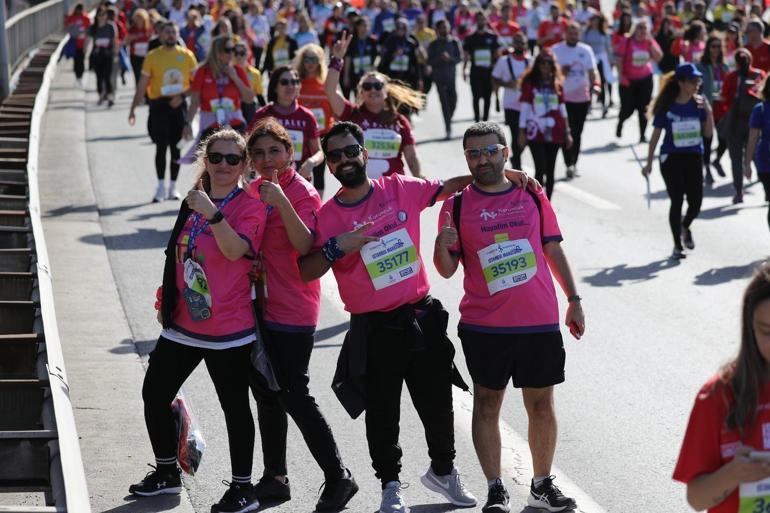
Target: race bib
[640,57]
[196,293]
[140,49]
[755,497]
[400,62]
[540,104]
[222,107]
[320,116]
[102,42]
[280,56]
[361,64]
[382,143]
[391,260]
[483,57]
[507,264]
[388,25]
[686,133]
[297,139]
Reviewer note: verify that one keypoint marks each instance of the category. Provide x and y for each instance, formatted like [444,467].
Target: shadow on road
[140,347]
[142,505]
[615,276]
[142,239]
[331,332]
[80,209]
[435,508]
[720,275]
[610,146]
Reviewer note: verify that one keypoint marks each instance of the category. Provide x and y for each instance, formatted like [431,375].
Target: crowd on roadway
[279,92]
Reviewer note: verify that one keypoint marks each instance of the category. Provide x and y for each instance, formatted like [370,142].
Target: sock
[166,465]
[241,479]
[495,481]
[172,185]
[538,480]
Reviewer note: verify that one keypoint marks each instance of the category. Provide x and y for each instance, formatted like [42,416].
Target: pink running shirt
[508,285]
[636,57]
[395,273]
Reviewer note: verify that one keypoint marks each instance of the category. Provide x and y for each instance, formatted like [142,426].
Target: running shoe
[497,499]
[157,482]
[160,193]
[570,172]
[718,166]
[619,131]
[709,178]
[605,110]
[738,198]
[687,238]
[337,493]
[239,498]
[678,254]
[642,139]
[173,193]
[547,496]
[450,486]
[269,489]
[392,502]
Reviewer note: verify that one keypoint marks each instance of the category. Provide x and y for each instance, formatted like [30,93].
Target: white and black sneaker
[497,499]
[239,498]
[158,482]
[547,496]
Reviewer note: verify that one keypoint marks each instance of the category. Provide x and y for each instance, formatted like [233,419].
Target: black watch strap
[217,217]
[573,298]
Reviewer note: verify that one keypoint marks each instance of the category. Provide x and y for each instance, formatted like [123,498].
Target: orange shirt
[312,96]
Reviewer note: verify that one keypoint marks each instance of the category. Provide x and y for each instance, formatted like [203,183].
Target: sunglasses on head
[289,81]
[228,49]
[489,151]
[351,152]
[231,158]
[368,86]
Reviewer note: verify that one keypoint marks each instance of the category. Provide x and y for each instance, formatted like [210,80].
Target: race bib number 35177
[391,260]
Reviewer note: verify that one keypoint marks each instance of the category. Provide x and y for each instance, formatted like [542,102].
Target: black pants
[170,365]
[512,120]
[605,93]
[290,356]
[428,375]
[136,67]
[80,63]
[102,66]
[481,87]
[165,125]
[736,145]
[257,51]
[447,95]
[765,179]
[577,113]
[683,175]
[635,96]
[544,155]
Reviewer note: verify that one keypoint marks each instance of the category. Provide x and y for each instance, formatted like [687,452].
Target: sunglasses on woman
[228,49]
[240,53]
[368,86]
[310,58]
[351,152]
[488,151]
[289,81]
[232,159]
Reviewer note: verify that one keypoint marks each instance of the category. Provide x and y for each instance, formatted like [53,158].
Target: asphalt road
[656,329]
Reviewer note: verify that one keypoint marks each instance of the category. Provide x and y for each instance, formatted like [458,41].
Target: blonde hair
[399,94]
[317,51]
[144,16]
[225,134]
[213,62]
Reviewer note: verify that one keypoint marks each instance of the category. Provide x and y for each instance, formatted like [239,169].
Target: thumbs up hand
[270,192]
[199,201]
[447,237]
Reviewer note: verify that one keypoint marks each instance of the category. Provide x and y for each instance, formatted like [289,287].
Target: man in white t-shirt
[507,72]
[578,64]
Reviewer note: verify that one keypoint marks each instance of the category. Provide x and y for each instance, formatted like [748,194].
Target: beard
[351,174]
[488,174]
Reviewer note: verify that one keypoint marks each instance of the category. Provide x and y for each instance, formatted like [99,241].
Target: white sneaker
[450,486]
[173,194]
[392,502]
[160,193]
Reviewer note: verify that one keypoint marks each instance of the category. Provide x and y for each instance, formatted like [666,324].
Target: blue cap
[687,71]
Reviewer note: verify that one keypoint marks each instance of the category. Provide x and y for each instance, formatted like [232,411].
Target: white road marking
[516,461]
[580,195]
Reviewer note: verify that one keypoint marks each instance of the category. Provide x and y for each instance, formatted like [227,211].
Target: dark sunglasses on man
[488,151]
[351,152]
[231,158]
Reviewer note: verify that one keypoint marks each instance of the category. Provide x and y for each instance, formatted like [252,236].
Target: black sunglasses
[351,152]
[228,49]
[240,53]
[368,86]
[288,81]
[310,58]
[231,158]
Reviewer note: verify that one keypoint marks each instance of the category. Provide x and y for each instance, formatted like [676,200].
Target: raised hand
[340,47]
[447,237]
[270,191]
[352,242]
[199,201]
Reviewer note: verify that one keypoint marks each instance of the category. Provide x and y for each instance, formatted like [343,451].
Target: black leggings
[635,96]
[80,63]
[136,67]
[721,148]
[290,356]
[683,175]
[481,87]
[160,161]
[544,155]
[170,365]
[102,66]
[605,93]
[577,113]
[165,125]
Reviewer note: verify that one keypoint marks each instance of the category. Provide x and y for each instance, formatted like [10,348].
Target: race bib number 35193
[391,260]
[508,263]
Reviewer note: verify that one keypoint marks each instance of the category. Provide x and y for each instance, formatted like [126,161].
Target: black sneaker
[687,238]
[269,489]
[718,166]
[497,500]
[619,130]
[547,496]
[678,253]
[239,498]
[337,493]
[158,482]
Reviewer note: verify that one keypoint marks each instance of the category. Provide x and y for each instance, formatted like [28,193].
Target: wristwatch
[574,298]
[217,217]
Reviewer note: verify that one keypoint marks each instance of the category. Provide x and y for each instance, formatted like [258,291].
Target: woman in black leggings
[207,315]
[687,119]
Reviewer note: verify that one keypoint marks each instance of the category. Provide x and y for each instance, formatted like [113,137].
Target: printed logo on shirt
[766,435]
[373,218]
[486,215]
[402,216]
[728,450]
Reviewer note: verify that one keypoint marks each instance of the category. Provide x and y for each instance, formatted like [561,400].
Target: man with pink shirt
[508,240]
[369,235]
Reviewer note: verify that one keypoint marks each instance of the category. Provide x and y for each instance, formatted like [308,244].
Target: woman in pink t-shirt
[290,309]
[635,55]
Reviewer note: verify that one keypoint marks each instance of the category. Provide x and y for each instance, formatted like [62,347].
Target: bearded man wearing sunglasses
[509,243]
[369,235]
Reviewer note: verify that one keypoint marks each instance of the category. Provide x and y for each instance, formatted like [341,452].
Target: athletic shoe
[605,110]
[337,493]
[718,167]
[548,496]
[450,486]
[709,178]
[619,131]
[160,193]
[642,139]
[497,499]
[738,198]
[392,502]
[158,482]
[110,103]
[269,489]
[687,238]
[173,194]
[239,498]
[570,172]
[678,254]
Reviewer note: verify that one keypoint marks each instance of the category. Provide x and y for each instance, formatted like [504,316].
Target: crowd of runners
[274,94]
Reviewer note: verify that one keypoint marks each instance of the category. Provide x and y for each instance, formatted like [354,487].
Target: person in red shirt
[138,39]
[730,417]
[758,45]
[551,31]
[505,28]
[77,25]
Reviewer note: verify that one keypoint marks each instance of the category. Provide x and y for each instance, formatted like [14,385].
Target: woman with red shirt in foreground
[730,418]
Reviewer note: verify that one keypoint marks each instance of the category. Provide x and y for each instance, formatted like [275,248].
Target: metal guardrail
[39,444]
[28,28]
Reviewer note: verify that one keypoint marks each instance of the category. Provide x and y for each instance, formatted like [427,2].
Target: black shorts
[532,360]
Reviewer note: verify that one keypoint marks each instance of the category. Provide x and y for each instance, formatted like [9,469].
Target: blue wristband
[332,251]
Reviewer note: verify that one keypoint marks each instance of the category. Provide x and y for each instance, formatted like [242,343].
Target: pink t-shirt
[394,273]
[231,312]
[384,141]
[508,285]
[636,57]
[301,125]
[290,303]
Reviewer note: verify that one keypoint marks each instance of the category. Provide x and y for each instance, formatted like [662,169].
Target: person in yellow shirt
[166,75]
[241,55]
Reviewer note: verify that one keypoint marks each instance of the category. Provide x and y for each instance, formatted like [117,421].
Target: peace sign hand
[340,47]
[352,242]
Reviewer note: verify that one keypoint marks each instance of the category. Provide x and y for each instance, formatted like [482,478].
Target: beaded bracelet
[332,250]
[336,64]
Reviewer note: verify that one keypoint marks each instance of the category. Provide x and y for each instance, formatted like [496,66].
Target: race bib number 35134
[391,260]
[507,264]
